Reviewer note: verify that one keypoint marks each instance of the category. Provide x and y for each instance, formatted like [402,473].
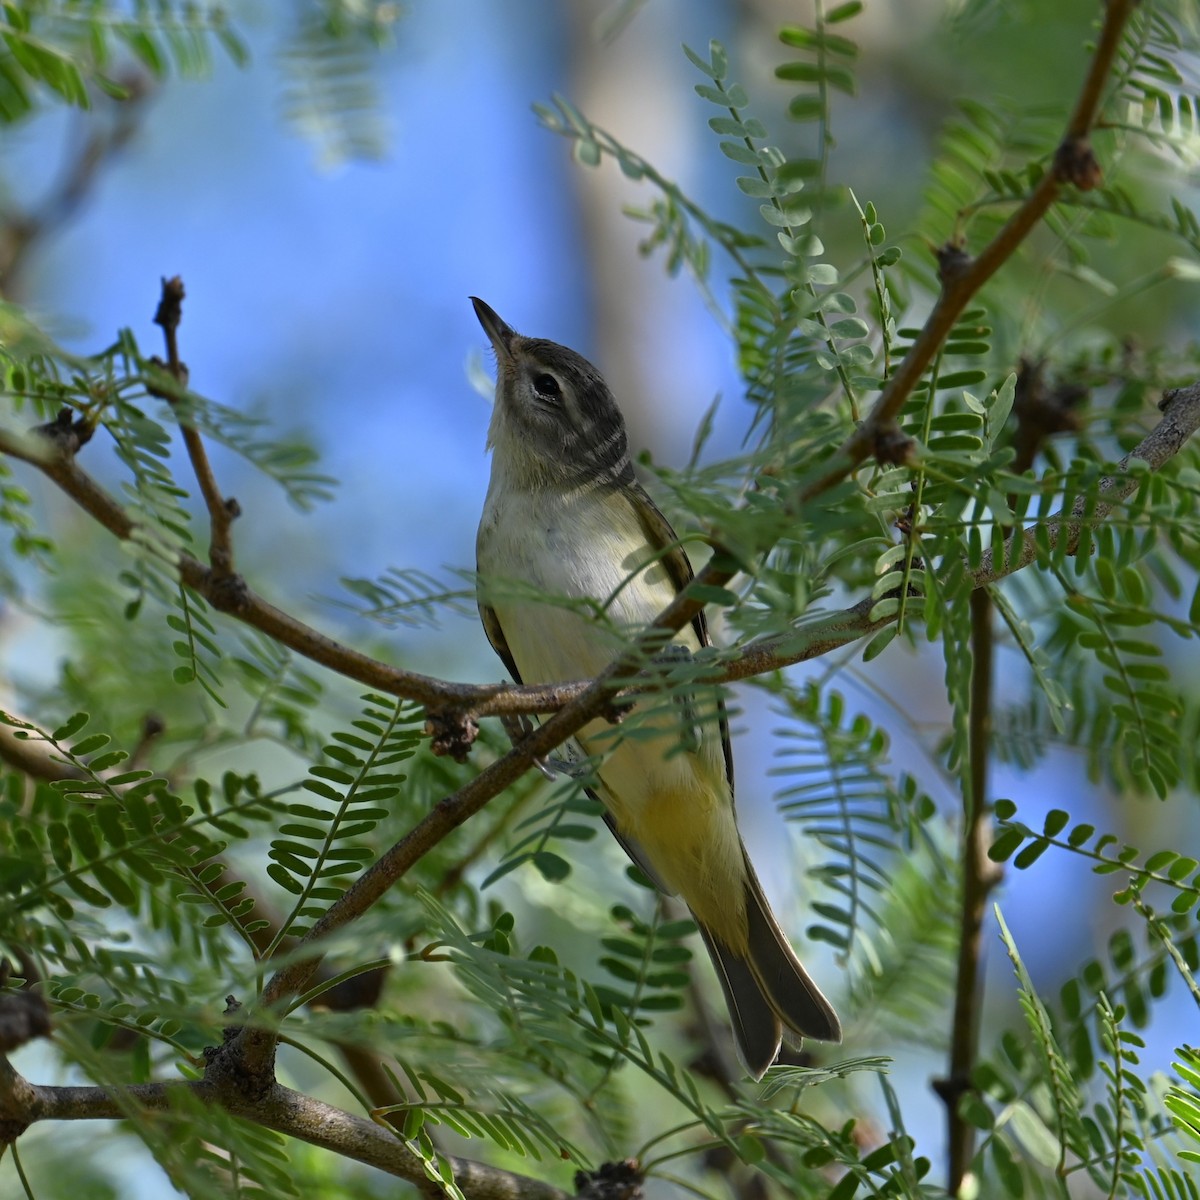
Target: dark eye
[547,387]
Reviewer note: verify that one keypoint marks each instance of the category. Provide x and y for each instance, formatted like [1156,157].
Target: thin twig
[1040,414]
[221,511]
[980,876]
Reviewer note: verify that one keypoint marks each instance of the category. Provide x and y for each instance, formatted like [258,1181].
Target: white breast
[585,547]
[568,549]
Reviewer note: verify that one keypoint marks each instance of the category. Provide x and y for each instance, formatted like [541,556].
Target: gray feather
[785,984]
[756,1029]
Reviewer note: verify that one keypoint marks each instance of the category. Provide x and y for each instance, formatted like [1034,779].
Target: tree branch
[288,1112]
[962,276]
[231,595]
[1074,163]
[221,511]
[812,638]
[1039,414]
[979,876]
[22,229]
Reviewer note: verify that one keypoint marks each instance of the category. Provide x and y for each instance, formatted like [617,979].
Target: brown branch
[962,276]
[221,511]
[980,876]
[1180,420]
[1041,412]
[279,1108]
[811,639]
[22,228]
[1181,417]
[231,595]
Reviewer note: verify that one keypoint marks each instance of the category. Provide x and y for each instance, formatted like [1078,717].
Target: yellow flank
[677,808]
[689,838]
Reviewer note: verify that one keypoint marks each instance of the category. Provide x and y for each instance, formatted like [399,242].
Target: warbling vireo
[565,519]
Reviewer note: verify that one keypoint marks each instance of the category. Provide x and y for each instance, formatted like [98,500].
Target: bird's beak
[499,334]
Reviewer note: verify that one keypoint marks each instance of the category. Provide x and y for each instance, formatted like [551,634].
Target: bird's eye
[547,387]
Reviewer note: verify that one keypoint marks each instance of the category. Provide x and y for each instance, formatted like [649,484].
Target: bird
[573,557]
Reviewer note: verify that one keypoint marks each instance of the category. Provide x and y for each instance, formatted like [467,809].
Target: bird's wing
[495,635]
[663,541]
[666,546]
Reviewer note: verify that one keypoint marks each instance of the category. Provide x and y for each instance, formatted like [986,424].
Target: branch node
[611,1181]
[951,1089]
[177,374]
[228,592]
[616,710]
[67,432]
[1075,163]
[233,1072]
[1042,411]
[170,306]
[892,447]
[153,727]
[953,263]
[24,1015]
[451,732]
[1169,397]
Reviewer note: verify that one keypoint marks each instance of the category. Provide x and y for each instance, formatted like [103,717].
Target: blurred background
[328,264]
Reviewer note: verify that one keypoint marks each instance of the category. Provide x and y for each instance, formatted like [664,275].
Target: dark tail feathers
[768,990]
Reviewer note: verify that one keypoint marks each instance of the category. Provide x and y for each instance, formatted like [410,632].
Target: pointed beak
[499,334]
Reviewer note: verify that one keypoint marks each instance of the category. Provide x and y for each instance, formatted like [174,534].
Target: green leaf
[843,12]
[879,643]
[701,64]
[70,727]
[553,867]
[1006,843]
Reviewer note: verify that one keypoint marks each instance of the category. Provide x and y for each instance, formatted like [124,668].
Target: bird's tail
[767,990]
